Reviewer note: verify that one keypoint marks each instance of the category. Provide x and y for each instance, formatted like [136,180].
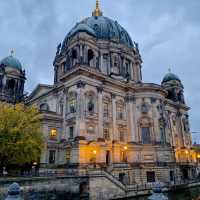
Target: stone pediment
[40,90]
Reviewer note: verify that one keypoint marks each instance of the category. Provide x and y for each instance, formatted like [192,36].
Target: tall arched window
[145,126]
[11,85]
[90,58]
[74,57]
[72,102]
[90,101]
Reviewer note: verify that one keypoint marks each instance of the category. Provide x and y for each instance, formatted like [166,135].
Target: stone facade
[100,114]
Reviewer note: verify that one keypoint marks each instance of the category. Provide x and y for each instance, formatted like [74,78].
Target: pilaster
[131,119]
[100,112]
[64,96]
[80,123]
[115,133]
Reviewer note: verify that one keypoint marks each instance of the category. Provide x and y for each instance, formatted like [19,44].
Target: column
[131,119]
[101,62]
[81,54]
[114,130]
[80,124]
[64,96]
[100,112]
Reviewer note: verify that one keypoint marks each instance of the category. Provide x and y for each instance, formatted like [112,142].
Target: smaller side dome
[170,77]
[12,62]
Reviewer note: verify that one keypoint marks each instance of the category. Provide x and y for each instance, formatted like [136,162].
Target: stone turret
[172,83]
[12,79]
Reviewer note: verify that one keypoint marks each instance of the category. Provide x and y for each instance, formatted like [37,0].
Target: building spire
[97,12]
[169,70]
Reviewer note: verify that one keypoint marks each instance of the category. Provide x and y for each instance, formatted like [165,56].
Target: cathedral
[99,114]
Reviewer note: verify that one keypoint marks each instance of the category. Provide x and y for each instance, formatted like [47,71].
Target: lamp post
[94,153]
[34,168]
[125,153]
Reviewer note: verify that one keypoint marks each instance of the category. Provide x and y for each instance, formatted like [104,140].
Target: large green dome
[12,62]
[102,28]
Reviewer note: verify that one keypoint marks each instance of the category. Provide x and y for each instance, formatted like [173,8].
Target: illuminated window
[123,156]
[68,155]
[53,133]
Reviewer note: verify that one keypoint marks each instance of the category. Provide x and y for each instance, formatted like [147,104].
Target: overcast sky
[168,33]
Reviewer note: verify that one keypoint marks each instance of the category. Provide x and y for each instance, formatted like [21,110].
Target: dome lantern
[97,12]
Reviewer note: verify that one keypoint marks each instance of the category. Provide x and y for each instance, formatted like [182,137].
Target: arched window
[90,101]
[44,107]
[72,102]
[145,125]
[11,84]
[90,58]
[74,57]
[91,105]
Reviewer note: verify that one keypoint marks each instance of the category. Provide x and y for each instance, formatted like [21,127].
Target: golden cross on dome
[12,52]
[97,12]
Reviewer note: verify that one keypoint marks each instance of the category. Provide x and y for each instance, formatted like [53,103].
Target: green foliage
[21,139]
[197,149]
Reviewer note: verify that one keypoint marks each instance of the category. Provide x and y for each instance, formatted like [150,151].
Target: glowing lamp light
[198,155]
[94,152]
[186,152]
[35,163]
[125,147]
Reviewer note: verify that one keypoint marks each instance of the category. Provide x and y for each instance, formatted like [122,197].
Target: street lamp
[94,153]
[34,167]
[124,153]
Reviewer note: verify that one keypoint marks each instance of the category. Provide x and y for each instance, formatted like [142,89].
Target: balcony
[91,115]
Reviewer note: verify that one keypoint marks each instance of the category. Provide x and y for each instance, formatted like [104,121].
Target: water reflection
[185,194]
